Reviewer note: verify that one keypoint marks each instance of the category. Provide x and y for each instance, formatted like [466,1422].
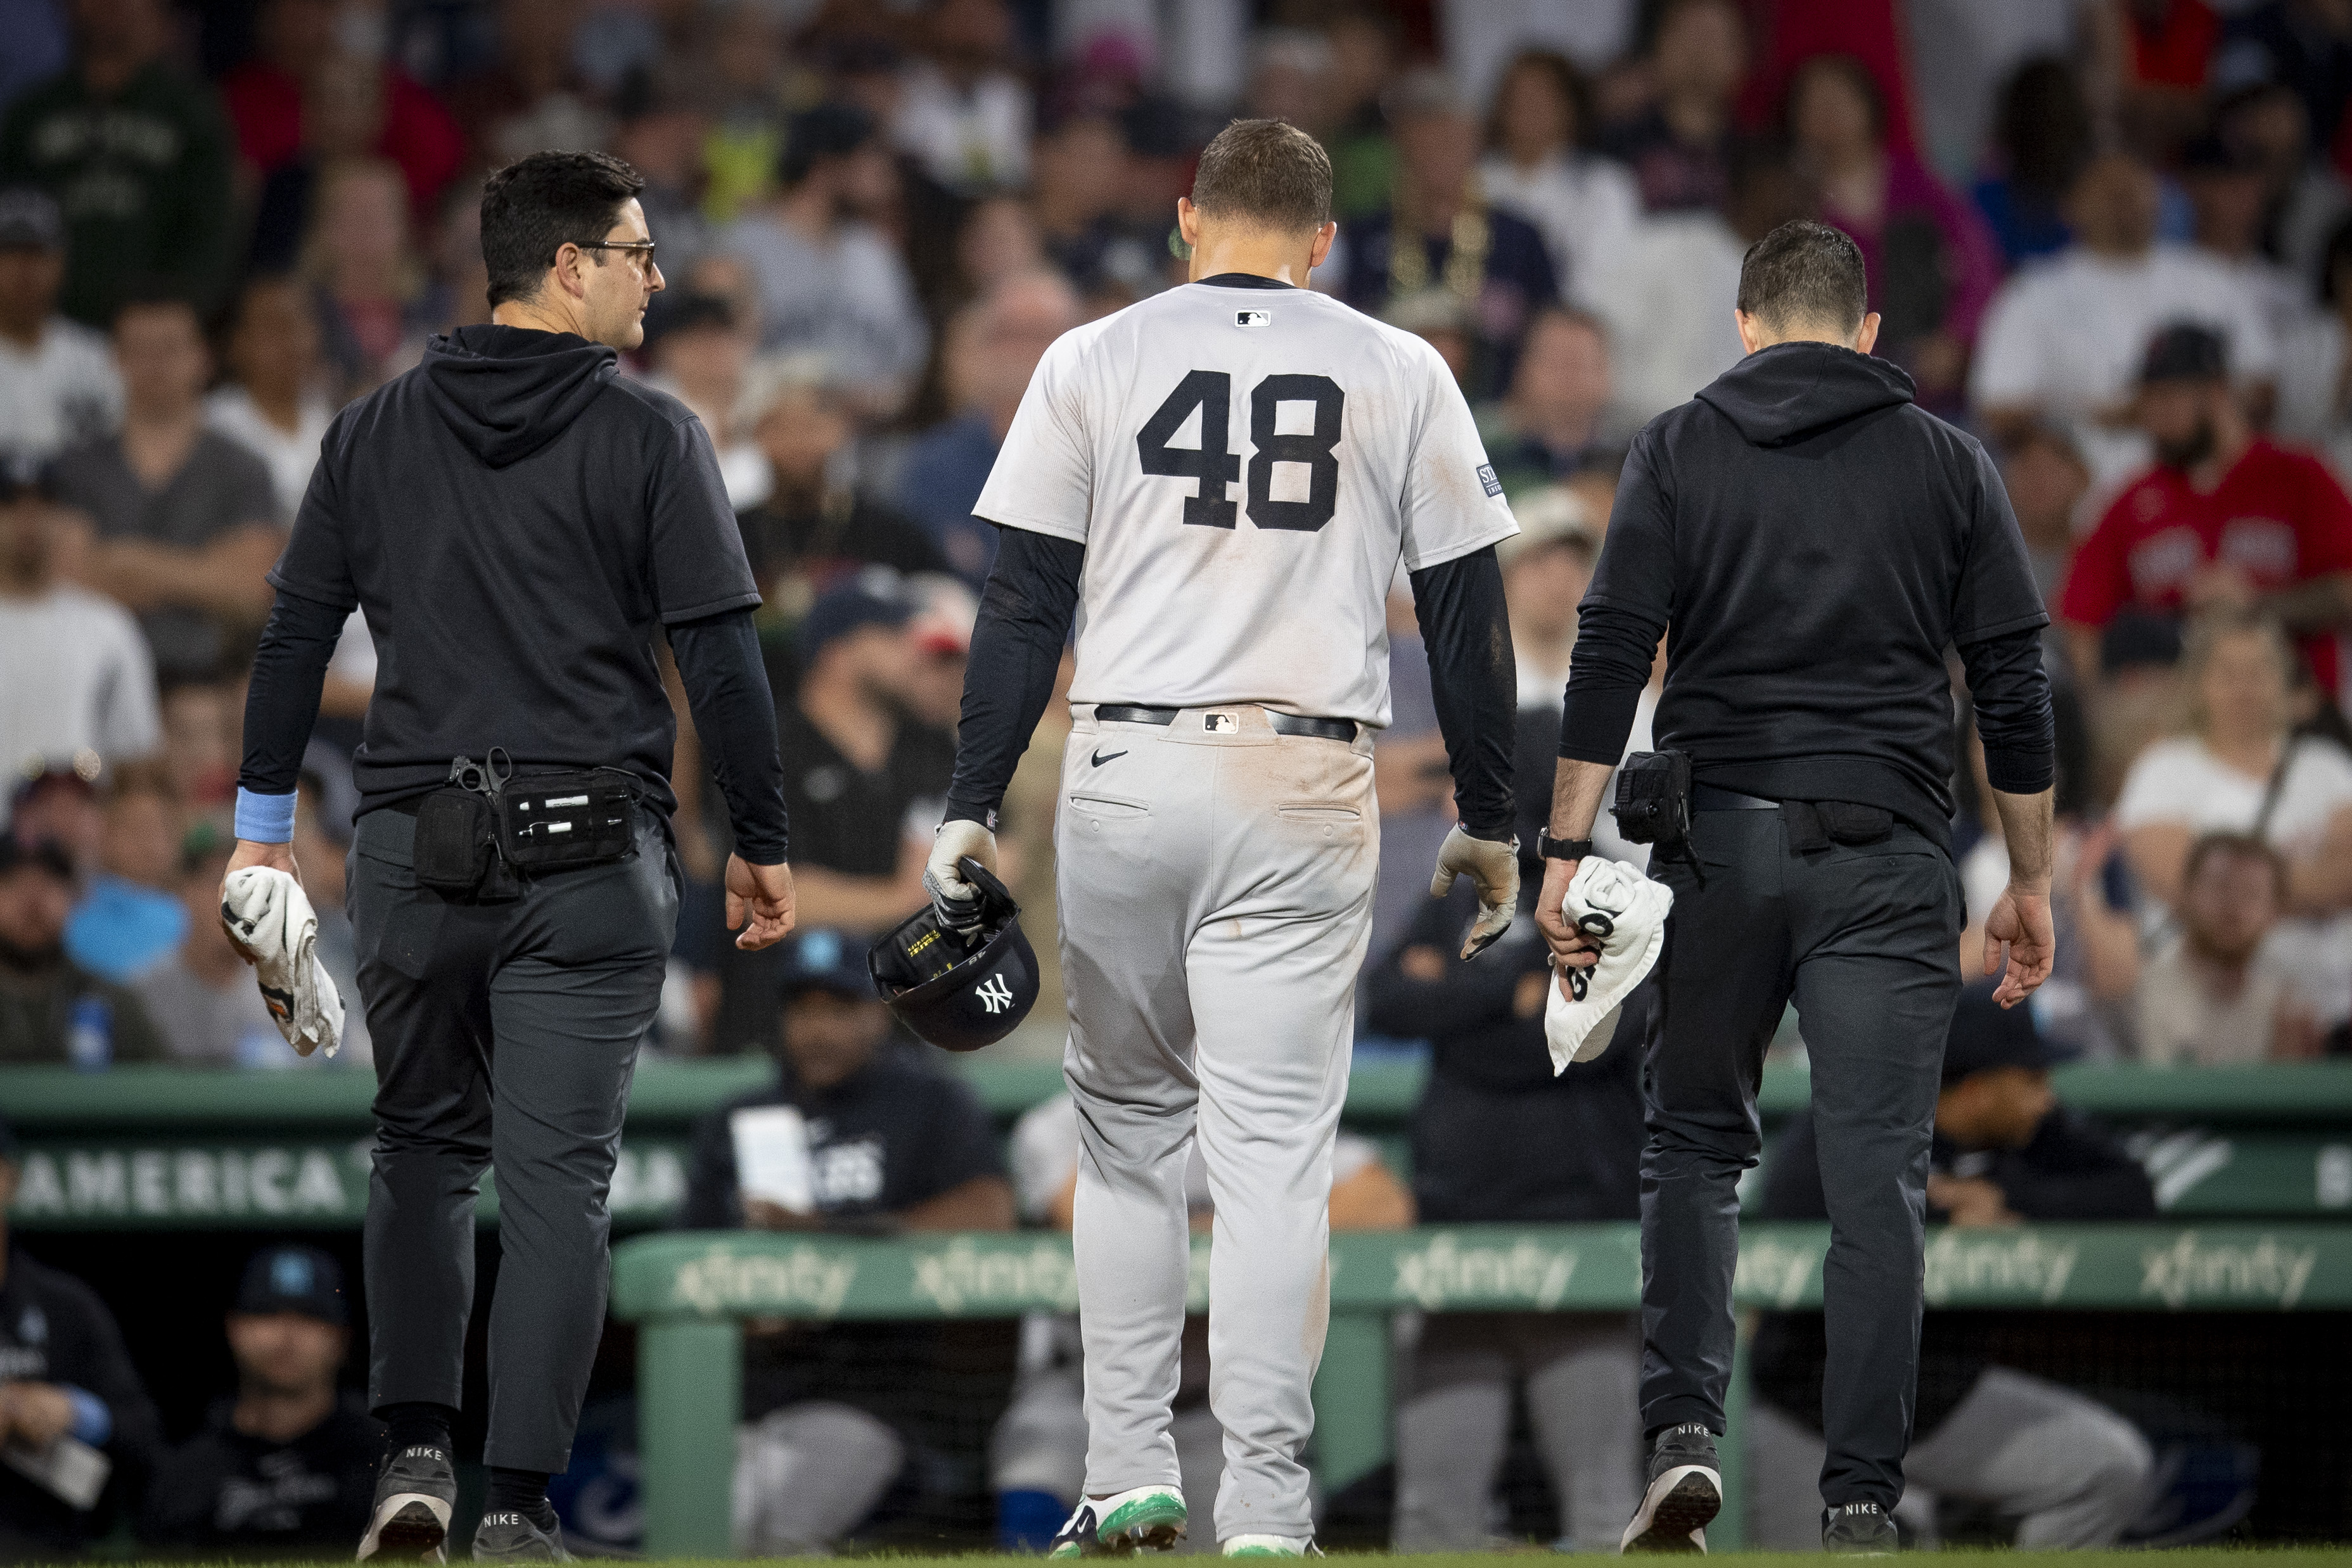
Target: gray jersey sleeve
[1044,478]
[1453,504]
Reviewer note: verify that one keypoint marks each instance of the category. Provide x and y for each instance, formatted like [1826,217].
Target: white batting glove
[1494,867]
[955,900]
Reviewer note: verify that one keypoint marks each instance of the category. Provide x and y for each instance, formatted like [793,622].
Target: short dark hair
[1265,171]
[1565,79]
[1804,273]
[2245,846]
[537,205]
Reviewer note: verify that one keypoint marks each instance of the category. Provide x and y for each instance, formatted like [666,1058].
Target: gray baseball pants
[506,1035]
[1216,884]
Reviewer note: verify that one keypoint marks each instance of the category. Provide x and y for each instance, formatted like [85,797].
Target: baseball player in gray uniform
[1222,482]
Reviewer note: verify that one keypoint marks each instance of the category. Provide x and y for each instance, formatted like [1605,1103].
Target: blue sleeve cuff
[264,819]
[93,1423]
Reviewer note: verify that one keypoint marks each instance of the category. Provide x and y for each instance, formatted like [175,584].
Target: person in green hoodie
[137,154]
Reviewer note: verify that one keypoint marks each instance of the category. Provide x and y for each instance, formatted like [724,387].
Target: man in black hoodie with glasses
[518,522]
[1810,543]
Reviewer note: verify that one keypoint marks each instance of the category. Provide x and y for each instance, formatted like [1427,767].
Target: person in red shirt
[2224,519]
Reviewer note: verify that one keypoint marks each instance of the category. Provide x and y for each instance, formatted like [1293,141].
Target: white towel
[272,918]
[1628,913]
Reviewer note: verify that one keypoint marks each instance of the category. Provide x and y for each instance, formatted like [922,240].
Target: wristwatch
[1553,849]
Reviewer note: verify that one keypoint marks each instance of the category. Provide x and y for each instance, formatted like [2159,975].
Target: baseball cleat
[1685,1493]
[414,1494]
[1273,1546]
[1858,1530]
[1115,1525]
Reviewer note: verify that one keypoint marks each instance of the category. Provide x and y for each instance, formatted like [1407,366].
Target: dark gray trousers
[506,1035]
[1866,941]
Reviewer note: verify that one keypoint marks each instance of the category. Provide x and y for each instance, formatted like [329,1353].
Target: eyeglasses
[641,251]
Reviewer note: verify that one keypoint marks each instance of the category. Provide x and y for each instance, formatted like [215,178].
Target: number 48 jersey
[1245,466]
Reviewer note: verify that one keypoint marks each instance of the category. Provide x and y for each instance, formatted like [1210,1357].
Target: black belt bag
[1654,799]
[478,835]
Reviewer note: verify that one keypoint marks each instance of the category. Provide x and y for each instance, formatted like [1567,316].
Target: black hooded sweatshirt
[1815,541]
[517,518]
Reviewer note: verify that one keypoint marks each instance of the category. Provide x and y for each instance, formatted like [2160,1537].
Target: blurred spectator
[1539,165]
[662,139]
[2168,55]
[2227,192]
[265,98]
[2314,400]
[370,283]
[890,1143]
[2304,196]
[2066,1468]
[57,384]
[1037,1453]
[61,803]
[1025,833]
[1443,320]
[64,1375]
[2041,140]
[272,404]
[1547,566]
[827,278]
[1549,424]
[78,685]
[530,96]
[962,116]
[2301,45]
[341,123]
[1411,782]
[52,1010]
[1491,1094]
[699,354]
[185,519]
[2063,340]
[136,154]
[999,240]
[1290,79]
[2240,771]
[742,82]
[204,997]
[1360,45]
[1079,197]
[1439,231]
[1668,292]
[130,917]
[2224,520]
[1680,146]
[1931,263]
[36,31]
[992,349]
[202,725]
[2047,480]
[2216,991]
[811,529]
[290,1463]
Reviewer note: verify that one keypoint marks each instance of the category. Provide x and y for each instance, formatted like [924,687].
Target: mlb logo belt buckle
[1221,723]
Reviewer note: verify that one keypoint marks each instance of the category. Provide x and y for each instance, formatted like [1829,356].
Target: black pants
[506,1035]
[1866,939]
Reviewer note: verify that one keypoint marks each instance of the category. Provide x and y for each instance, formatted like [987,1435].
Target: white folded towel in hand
[1628,912]
[271,918]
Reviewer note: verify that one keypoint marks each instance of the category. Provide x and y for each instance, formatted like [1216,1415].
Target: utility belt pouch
[457,839]
[561,821]
[1817,824]
[1654,799]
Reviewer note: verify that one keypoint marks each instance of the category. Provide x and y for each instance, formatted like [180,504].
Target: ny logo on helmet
[995,996]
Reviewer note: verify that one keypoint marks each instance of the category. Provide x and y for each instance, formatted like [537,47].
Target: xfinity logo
[995,996]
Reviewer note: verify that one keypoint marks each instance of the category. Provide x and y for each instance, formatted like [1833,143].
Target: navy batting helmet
[958,992]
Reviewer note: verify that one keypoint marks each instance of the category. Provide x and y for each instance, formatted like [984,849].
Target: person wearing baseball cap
[289,1462]
[60,374]
[52,1010]
[64,1376]
[2271,528]
[2005,1150]
[890,1142]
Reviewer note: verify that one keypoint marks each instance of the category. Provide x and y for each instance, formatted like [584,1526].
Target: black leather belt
[1282,722]
[1708,798]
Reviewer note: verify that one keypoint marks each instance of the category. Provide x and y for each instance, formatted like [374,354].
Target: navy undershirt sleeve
[735,715]
[280,706]
[1016,647]
[1476,682]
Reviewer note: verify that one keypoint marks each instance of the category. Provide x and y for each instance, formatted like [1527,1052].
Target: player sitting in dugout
[893,1144]
[1037,1456]
[2069,1470]
[1491,1098]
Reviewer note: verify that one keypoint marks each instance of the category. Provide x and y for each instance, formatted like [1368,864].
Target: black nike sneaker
[1858,1530]
[414,1494]
[508,1535]
[1683,1494]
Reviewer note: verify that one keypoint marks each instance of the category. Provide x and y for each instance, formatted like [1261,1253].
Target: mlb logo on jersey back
[1253,317]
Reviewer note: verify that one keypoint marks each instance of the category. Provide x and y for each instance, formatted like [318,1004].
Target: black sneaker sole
[415,1531]
[1674,1520]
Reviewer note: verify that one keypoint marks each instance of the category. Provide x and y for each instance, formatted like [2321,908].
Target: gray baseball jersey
[1245,466]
